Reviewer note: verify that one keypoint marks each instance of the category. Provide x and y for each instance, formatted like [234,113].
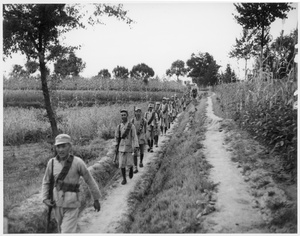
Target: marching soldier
[126,143]
[141,128]
[151,118]
[157,124]
[170,111]
[163,116]
[66,171]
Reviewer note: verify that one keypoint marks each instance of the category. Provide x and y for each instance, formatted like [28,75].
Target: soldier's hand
[49,203]
[97,205]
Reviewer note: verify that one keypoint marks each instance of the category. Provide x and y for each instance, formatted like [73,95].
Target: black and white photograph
[149,117]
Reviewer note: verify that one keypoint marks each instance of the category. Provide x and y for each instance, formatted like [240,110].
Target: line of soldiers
[133,135]
[60,187]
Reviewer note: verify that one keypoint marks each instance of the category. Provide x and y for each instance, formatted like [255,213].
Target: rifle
[50,194]
[117,146]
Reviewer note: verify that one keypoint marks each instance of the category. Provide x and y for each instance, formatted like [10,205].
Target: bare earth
[234,212]
[115,204]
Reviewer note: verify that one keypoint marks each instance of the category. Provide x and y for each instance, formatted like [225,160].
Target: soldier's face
[63,150]
[124,116]
[138,114]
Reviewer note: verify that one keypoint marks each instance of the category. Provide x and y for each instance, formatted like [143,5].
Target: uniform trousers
[66,218]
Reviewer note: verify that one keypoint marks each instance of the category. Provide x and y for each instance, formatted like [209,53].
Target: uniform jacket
[78,169]
[137,124]
[130,142]
[164,107]
[148,116]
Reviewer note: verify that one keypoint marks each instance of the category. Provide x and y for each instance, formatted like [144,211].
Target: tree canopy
[259,16]
[34,30]
[104,73]
[177,68]
[120,72]
[203,69]
[142,71]
[69,65]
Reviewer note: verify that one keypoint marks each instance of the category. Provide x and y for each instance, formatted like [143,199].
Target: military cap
[157,103]
[124,110]
[164,98]
[62,138]
[138,109]
[151,105]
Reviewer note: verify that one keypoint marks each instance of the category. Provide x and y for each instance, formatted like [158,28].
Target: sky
[163,32]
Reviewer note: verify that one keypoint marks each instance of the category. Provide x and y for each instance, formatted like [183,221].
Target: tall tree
[120,72]
[203,69]
[69,65]
[34,30]
[243,48]
[260,16]
[142,71]
[229,76]
[104,73]
[31,66]
[177,68]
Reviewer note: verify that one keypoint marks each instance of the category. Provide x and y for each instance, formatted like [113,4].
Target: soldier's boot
[130,172]
[162,130]
[141,160]
[166,130]
[123,171]
[156,140]
[151,145]
[135,164]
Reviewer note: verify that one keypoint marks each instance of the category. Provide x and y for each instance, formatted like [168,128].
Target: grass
[86,98]
[265,110]
[24,167]
[168,202]
[94,83]
[22,125]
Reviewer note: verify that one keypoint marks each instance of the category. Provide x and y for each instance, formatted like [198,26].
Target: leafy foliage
[265,109]
[34,30]
[69,65]
[177,68]
[229,75]
[142,71]
[120,72]
[260,16]
[203,69]
[104,73]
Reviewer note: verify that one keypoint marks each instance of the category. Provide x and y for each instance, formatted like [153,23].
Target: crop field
[95,83]
[28,148]
[71,98]
[265,110]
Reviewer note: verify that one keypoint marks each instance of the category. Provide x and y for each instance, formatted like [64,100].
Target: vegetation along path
[115,204]
[234,212]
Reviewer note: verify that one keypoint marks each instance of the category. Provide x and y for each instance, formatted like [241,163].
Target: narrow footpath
[234,212]
[115,203]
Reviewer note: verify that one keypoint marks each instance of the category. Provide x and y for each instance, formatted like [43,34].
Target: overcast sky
[163,33]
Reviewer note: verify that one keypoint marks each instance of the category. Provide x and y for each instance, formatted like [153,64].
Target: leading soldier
[66,170]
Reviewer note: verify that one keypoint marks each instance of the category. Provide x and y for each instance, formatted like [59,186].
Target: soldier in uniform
[170,111]
[151,118]
[163,116]
[66,170]
[157,124]
[126,143]
[141,128]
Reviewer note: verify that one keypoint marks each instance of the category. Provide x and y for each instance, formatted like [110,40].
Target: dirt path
[115,204]
[234,212]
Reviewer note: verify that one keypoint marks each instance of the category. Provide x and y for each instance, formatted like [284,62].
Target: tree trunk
[262,47]
[47,100]
[245,68]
